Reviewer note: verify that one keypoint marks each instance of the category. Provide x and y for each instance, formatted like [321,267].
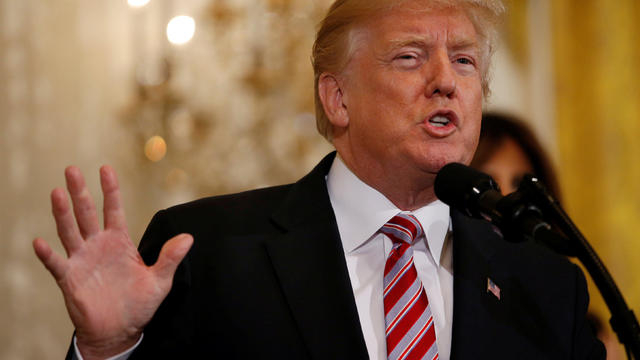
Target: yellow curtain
[597,83]
[515,30]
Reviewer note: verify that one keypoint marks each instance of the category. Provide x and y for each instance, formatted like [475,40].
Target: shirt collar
[361,211]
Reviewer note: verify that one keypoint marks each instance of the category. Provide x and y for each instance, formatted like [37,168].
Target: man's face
[412,91]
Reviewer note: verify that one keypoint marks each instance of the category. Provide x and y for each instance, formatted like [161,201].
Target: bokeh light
[155,149]
[137,3]
[180,29]
[176,177]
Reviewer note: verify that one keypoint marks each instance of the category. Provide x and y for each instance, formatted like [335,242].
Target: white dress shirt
[122,356]
[360,212]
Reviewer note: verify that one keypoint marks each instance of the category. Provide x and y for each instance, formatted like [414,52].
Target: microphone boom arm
[623,320]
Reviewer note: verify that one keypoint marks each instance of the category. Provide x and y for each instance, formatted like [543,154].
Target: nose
[441,80]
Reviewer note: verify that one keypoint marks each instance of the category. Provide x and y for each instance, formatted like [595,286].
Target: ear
[331,95]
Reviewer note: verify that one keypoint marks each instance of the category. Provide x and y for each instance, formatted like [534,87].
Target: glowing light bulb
[137,3]
[180,29]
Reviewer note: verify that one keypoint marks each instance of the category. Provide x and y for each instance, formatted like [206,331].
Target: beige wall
[236,114]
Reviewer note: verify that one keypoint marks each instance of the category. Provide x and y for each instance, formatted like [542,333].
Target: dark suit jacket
[267,279]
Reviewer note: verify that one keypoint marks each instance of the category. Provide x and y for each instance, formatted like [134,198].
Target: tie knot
[402,227]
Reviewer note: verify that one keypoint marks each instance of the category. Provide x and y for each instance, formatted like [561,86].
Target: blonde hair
[335,41]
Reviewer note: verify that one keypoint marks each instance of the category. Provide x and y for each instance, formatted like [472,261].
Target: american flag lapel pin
[493,288]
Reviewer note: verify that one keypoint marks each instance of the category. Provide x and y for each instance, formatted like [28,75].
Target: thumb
[171,255]
[52,261]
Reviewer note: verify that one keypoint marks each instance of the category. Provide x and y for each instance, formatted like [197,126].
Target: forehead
[414,22]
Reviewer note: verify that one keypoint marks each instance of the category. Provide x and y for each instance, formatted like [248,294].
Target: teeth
[439,121]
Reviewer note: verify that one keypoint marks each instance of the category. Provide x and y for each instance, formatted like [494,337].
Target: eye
[465,65]
[407,60]
[464,61]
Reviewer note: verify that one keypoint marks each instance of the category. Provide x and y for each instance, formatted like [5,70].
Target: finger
[65,223]
[53,262]
[113,210]
[171,255]
[83,206]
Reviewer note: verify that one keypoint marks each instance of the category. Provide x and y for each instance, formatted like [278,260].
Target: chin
[433,163]
[430,155]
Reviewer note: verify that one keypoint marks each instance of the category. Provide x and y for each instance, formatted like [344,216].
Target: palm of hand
[112,288]
[109,292]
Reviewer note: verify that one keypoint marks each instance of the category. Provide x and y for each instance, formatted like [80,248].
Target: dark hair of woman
[498,128]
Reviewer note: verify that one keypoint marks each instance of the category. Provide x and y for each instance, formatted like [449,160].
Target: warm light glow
[181,29]
[156,148]
[176,177]
[137,3]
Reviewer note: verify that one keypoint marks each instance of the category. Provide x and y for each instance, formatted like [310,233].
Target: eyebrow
[412,41]
[423,42]
[459,44]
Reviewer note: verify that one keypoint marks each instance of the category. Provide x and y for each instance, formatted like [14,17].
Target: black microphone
[517,216]
[468,190]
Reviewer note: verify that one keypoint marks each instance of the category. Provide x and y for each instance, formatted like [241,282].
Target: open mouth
[439,121]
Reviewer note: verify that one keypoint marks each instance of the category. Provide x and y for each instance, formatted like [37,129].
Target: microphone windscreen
[459,186]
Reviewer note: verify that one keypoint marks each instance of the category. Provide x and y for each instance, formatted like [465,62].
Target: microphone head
[460,187]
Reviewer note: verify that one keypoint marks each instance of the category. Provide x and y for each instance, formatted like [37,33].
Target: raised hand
[109,292]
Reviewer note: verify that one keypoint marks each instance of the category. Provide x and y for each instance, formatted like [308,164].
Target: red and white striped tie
[409,324]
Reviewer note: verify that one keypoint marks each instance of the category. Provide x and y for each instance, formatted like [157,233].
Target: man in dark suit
[358,259]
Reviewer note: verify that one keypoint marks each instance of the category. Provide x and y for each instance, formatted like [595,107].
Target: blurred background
[200,97]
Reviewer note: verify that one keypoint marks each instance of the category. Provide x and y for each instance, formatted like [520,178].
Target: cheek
[471,137]
[473,114]
[369,94]
[473,124]
[387,105]
[471,87]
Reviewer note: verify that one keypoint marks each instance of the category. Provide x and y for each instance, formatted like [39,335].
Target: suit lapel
[309,262]
[476,310]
